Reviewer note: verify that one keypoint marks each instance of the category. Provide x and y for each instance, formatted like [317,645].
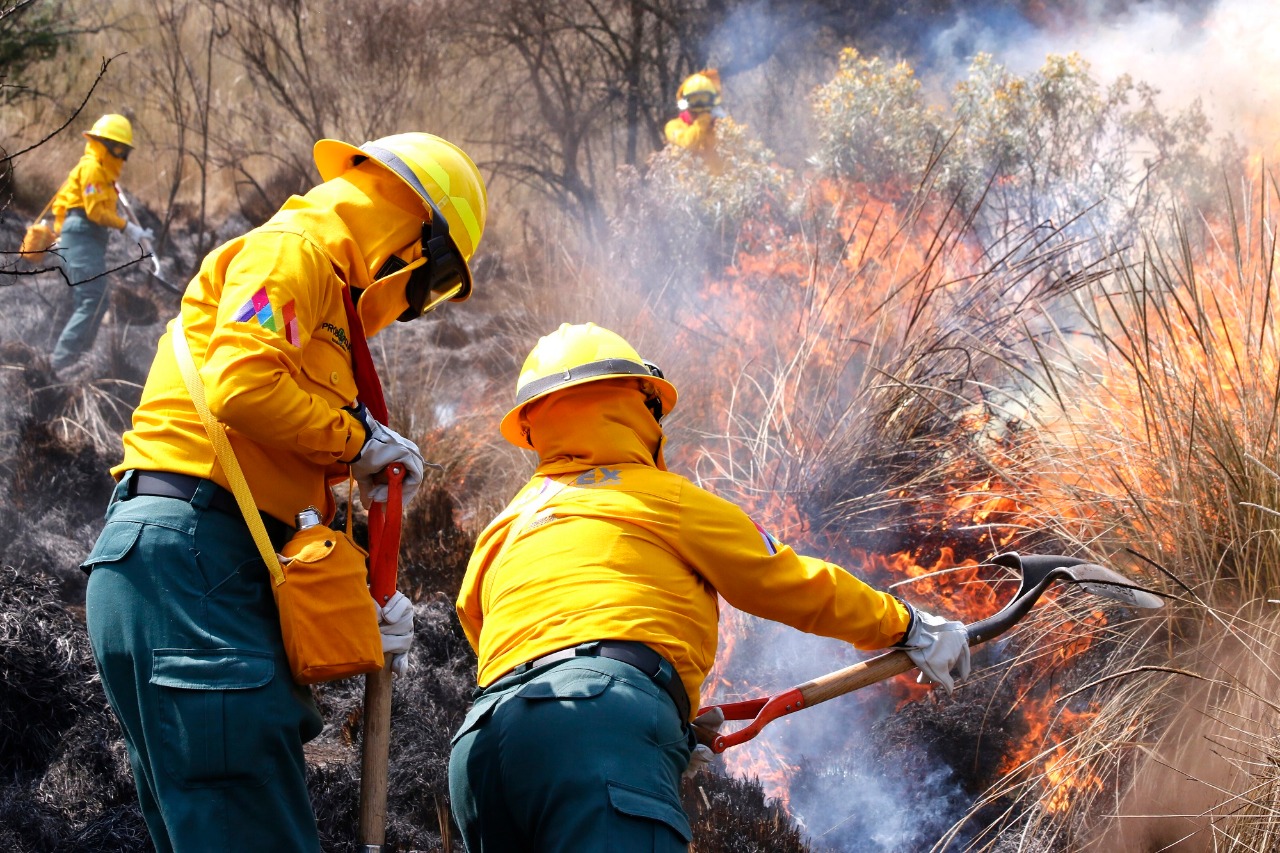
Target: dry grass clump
[1157,424]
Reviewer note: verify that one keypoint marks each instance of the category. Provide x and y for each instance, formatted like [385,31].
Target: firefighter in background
[592,603]
[180,611]
[86,212]
[699,102]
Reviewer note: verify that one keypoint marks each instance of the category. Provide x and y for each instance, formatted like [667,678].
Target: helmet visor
[424,298]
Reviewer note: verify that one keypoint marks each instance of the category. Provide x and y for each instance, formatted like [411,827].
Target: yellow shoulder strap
[226,456]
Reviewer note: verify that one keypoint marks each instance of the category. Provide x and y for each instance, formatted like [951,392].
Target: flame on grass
[861,424]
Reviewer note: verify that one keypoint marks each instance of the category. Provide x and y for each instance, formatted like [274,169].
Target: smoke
[1222,54]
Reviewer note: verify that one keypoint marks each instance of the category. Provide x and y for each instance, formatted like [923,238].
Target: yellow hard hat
[112,127]
[440,173]
[700,91]
[577,354]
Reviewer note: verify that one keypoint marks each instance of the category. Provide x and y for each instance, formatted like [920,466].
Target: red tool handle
[384,537]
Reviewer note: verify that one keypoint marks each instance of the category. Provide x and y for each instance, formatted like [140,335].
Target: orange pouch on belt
[327,617]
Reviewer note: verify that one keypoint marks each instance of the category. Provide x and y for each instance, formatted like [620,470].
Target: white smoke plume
[1223,54]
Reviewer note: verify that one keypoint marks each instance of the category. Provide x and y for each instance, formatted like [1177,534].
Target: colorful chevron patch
[284,320]
[770,544]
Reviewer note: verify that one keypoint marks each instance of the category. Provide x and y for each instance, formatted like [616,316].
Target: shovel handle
[1037,572]
[767,709]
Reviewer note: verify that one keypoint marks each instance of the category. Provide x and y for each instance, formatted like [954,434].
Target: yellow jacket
[91,186]
[266,325]
[696,133]
[628,551]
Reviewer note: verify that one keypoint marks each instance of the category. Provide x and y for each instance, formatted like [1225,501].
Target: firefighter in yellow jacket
[591,601]
[699,100]
[180,611]
[86,212]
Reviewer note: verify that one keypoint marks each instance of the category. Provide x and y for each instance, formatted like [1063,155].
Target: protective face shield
[117,149]
[409,284]
[433,271]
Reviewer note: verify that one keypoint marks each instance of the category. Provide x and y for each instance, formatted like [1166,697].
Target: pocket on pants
[114,544]
[665,821]
[216,713]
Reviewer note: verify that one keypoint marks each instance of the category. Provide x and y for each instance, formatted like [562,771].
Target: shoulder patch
[770,544]
[259,308]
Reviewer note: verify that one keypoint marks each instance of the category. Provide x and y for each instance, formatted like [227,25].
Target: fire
[1047,755]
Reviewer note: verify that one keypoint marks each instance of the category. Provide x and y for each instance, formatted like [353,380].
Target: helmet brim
[513,432]
[104,139]
[333,157]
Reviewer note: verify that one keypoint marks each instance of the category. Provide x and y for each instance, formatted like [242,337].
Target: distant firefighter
[699,101]
[86,212]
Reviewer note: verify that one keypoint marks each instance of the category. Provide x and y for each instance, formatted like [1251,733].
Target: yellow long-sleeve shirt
[266,325]
[627,551]
[697,134]
[91,187]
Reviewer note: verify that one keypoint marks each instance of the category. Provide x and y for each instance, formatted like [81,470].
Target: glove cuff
[361,413]
[911,625]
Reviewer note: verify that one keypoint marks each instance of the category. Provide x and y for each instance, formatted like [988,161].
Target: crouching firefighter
[591,601]
[181,615]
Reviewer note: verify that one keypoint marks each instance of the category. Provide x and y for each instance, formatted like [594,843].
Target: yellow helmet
[112,127]
[577,354]
[440,173]
[699,92]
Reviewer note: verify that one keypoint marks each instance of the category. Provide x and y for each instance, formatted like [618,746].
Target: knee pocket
[644,821]
[218,715]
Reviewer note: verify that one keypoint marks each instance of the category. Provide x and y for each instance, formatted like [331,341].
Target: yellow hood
[111,166]
[384,218]
[597,423]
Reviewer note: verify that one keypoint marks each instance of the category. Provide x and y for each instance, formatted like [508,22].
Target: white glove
[382,447]
[135,233]
[938,647]
[395,621]
[701,757]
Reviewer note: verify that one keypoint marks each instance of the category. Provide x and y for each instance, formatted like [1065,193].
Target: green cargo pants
[187,639]
[83,249]
[579,755]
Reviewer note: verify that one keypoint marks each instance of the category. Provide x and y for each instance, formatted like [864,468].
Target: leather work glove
[938,647]
[395,621]
[135,233]
[709,722]
[382,447]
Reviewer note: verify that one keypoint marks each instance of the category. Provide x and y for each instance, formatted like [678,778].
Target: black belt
[638,655]
[166,484]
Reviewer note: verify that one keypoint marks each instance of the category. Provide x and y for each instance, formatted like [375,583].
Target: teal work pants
[187,639]
[583,754]
[83,248]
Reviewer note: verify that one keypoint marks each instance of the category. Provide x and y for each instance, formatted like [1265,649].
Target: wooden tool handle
[855,677]
[373,760]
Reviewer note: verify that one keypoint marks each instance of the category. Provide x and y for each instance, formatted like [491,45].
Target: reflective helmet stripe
[605,367]
[437,173]
[389,159]
[468,217]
